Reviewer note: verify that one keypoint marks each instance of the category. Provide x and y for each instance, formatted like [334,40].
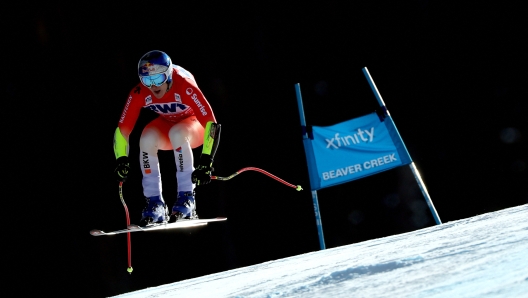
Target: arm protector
[120,144]
[202,174]
[211,140]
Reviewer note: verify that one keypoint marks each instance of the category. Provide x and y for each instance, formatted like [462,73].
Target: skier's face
[159,91]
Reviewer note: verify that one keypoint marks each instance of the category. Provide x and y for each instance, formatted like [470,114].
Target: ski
[101,233]
[182,223]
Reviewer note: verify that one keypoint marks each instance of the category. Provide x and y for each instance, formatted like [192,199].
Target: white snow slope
[481,256]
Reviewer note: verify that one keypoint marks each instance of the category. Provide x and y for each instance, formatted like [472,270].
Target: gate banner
[354,149]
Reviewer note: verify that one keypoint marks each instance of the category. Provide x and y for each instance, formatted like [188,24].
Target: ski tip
[101,233]
[96,232]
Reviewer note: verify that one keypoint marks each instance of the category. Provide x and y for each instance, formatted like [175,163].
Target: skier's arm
[202,174]
[196,100]
[211,139]
[127,121]
[120,144]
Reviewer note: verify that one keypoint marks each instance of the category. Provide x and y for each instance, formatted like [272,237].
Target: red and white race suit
[183,114]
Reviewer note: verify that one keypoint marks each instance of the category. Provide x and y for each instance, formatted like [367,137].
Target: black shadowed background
[453,78]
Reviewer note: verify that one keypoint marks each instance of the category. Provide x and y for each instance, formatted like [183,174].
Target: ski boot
[155,211]
[184,207]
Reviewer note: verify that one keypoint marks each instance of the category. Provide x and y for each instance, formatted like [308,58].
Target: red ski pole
[297,187]
[129,269]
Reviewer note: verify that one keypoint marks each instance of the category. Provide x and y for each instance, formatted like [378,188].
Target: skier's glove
[202,174]
[122,168]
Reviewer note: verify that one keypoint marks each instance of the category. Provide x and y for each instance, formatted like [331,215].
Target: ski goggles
[157,80]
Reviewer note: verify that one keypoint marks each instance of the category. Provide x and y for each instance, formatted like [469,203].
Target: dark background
[453,78]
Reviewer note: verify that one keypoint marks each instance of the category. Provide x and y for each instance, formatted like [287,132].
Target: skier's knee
[149,141]
[179,134]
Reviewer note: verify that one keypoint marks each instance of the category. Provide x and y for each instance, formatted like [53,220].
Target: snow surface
[481,256]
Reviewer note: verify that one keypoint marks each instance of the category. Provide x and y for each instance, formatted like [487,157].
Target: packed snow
[481,256]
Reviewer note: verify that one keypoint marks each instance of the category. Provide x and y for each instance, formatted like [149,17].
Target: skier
[186,121]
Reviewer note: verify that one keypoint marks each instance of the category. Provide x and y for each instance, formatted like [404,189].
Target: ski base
[182,223]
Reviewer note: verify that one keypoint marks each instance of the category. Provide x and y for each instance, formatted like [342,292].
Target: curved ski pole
[129,269]
[297,187]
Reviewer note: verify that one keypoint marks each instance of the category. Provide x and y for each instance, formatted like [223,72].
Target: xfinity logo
[146,164]
[357,138]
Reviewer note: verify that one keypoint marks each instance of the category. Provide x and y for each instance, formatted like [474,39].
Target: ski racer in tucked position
[186,121]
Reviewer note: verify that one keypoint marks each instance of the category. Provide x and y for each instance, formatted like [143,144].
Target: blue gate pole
[418,178]
[416,174]
[314,193]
